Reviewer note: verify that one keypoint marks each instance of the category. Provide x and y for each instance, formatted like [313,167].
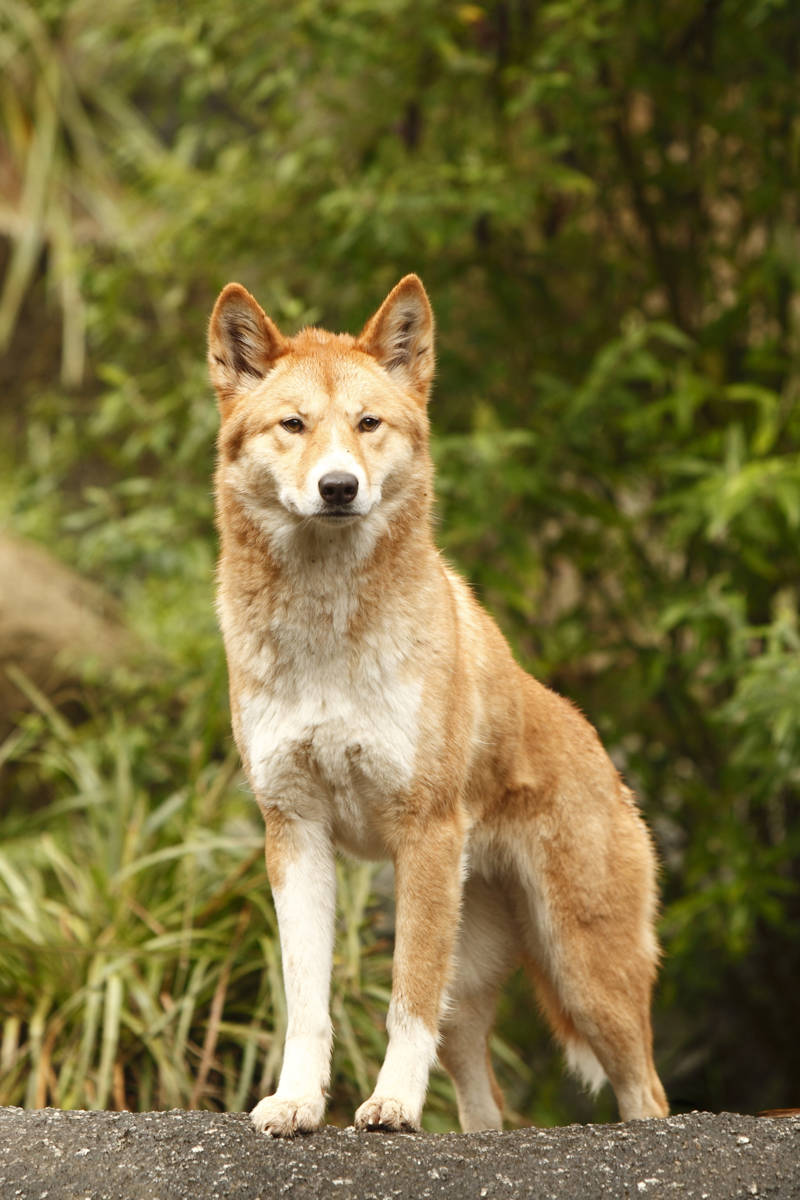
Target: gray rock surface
[52,1155]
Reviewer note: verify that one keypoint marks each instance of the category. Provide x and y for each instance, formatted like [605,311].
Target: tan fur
[277,845]
[378,709]
[428,893]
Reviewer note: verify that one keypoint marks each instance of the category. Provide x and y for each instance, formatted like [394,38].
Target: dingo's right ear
[243,344]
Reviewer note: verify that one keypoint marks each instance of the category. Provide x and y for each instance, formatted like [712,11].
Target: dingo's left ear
[243,344]
[400,336]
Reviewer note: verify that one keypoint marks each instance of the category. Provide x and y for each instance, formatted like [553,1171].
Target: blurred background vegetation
[602,199]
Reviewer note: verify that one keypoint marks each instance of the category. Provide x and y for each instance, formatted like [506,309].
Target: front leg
[427,898]
[302,875]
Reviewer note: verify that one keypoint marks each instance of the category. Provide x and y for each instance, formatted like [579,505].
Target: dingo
[378,709]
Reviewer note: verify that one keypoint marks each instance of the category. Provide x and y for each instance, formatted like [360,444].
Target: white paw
[284,1117]
[384,1112]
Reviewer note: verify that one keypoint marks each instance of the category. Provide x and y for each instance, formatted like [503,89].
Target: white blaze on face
[305,499]
[338,459]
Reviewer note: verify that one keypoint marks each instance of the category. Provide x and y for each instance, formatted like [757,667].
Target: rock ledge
[51,1155]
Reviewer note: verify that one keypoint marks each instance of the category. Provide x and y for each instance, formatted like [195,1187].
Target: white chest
[331,734]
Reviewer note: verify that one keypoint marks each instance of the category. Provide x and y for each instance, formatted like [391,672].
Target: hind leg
[602,1021]
[616,1029]
[593,958]
[486,952]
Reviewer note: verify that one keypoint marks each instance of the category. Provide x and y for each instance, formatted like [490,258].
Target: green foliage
[601,196]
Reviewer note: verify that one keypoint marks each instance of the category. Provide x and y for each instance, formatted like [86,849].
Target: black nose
[337,487]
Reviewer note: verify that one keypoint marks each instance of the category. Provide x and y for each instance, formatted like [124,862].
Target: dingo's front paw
[383,1112]
[283,1117]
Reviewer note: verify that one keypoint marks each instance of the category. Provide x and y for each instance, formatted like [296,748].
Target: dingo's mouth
[338,514]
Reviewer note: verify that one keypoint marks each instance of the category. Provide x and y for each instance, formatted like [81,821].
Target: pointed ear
[243,344]
[400,336]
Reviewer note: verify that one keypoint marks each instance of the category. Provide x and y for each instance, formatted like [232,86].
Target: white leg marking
[402,1083]
[305,903]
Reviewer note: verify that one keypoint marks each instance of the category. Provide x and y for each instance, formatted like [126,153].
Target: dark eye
[293,424]
[367,424]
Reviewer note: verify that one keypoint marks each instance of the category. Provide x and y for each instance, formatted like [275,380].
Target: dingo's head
[323,430]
